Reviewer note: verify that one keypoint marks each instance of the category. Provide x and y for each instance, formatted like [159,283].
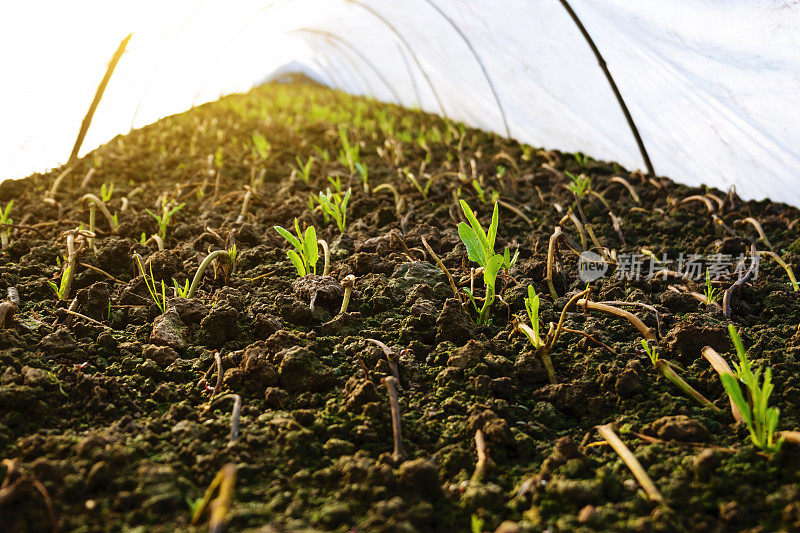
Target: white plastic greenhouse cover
[713,86]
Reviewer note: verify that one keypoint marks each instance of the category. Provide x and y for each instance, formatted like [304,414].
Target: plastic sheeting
[713,86]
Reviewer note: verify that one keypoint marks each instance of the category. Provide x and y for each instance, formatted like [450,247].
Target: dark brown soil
[110,416]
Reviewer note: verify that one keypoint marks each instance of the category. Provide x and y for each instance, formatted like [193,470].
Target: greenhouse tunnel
[714,107]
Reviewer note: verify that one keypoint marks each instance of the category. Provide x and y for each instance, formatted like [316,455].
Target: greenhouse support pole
[87,120]
[613,85]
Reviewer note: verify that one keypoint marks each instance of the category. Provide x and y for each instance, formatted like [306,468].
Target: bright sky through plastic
[179,53]
[712,85]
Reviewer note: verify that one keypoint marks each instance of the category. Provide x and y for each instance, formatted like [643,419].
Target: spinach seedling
[167,210]
[306,251]
[334,205]
[152,288]
[480,248]
[303,169]
[665,368]
[710,292]
[5,232]
[580,185]
[762,421]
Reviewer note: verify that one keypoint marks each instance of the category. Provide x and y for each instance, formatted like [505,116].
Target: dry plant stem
[625,183]
[225,480]
[665,369]
[96,202]
[326,254]
[646,332]
[235,415]
[551,251]
[722,224]
[87,178]
[245,204]
[607,432]
[756,224]
[733,289]
[480,465]
[569,304]
[654,440]
[158,240]
[202,268]
[643,306]
[398,200]
[50,197]
[698,198]
[84,317]
[399,454]
[581,231]
[391,357]
[721,366]
[785,266]
[516,211]
[99,271]
[591,338]
[348,282]
[790,436]
[9,491]
[441,267]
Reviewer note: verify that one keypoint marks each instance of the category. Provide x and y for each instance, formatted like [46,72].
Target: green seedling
[62,288]
[363,173]
[303,169]
[761,420]
[218,157]
[485,198]
[581,159]
[667,369]
[152,288]
[424,191]
[476,524]
[533,333]
[229,254]
[5,232]
[106,191]
[334,206]
[306,250]
[261,146]
[579,185]
[480,248]
[168,209]
[336,182]
[710,292]
[349,154]
[181,291]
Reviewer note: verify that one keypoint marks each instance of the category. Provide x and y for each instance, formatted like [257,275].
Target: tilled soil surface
[108,412]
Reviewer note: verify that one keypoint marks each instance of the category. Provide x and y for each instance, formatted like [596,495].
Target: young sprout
[480,248]
[261,146]
[348,282]
[168,209]
[62,290]
[334,206]
[666,369]
[579,185]
[105,192]
[303,169]
[5,232]
[96,203]
[424,191]
[710,292]
[306,251]
[533,334]
[363,173]
[229,254]
[493,195]
[762,421]
[152,288]
[181,292]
